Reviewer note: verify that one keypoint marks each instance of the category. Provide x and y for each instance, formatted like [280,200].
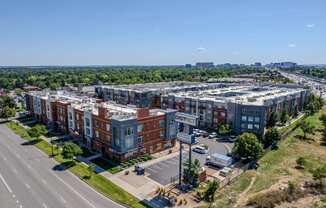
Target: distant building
[188,65]
[257,64]
[282,65]
[205,64]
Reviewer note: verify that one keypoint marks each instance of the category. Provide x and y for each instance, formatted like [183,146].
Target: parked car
[225,171]
[205,134]
[212,136]
[200,149]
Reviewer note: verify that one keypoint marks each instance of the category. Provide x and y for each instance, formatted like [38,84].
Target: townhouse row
[245,107]
[117,131]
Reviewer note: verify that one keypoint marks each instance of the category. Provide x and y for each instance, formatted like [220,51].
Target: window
[256,126]
[244,118]
[250,118]
[129,131]
[96,134]
[108,127]
[243,126]
[257,119]
[129,143]
[77,117]
[162,123]
[161,133]
[87,121]
[140,128]
[140,139]
[88,132]
[250,126]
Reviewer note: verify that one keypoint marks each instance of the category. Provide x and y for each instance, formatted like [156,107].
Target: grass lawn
[106,165]
[98,182]
[278,166]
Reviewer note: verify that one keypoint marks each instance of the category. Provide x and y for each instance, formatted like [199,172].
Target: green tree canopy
[272,136]
[247,147]
[71,150]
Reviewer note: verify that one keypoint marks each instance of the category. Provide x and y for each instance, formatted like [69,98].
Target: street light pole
[180,164]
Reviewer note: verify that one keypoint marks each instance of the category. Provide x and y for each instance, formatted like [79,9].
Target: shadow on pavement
[64,166]
[32,142]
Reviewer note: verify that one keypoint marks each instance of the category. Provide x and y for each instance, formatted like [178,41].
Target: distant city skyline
[145,32]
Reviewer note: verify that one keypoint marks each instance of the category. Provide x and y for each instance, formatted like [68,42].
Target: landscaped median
[98,182]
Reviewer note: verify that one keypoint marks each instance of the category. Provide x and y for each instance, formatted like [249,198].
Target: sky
[161,32]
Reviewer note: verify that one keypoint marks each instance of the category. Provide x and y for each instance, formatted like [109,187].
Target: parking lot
[165,171]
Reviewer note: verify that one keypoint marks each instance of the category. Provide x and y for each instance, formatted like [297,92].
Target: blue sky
[161,32]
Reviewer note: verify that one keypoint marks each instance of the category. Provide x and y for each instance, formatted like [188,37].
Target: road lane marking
[44,205]
[152,170]
[4,158]
[62,199]
[72,189]
[43,181]
[5,183]
[27,185]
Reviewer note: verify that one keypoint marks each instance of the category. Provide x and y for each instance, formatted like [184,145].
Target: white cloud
[310,25]
[292,45]
[200,49]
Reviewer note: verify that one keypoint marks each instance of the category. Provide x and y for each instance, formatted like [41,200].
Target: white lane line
[62,199]
[165,165]
[20,206]
[152,170]
[4,158]
[72,189]
[27,186]
[13,196]
[44,205]
[4,182]
[43,181]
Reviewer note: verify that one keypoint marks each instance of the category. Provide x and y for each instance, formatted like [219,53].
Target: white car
[200,149]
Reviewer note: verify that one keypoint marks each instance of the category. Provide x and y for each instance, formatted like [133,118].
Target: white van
[200,149]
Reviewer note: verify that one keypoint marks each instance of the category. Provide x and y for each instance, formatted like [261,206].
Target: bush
[71,150]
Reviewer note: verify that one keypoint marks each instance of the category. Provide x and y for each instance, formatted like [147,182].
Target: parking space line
[152,170]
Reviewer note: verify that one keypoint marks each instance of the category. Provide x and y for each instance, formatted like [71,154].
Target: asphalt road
[163,171]
[27,179]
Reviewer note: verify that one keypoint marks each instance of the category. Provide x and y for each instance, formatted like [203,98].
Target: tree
[272,136]
[223,129]
[7,112]
[247,147]
[71,150]
[191,172]
[307,128]
[284,116]
[272,120]
[37,130]
[209,193]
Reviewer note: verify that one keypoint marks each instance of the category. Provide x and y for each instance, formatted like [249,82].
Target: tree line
[54,77]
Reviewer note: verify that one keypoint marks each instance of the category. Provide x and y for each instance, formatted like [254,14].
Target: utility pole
[180,164]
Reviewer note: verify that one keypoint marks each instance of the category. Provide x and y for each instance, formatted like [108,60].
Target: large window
[140,139]
[256,126]
[108,127]
[162,123]
[161,133]
[250,126]
[140,128]
[250,119]
[129,131]
[257,119]
[129,143]
[244,118]
[87,122]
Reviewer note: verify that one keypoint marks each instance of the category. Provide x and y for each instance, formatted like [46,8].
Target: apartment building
[118,131]
[245,107]
[149,94]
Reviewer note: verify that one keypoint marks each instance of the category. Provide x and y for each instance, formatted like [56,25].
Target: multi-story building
[118,131]
[149,94]
[245,107]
